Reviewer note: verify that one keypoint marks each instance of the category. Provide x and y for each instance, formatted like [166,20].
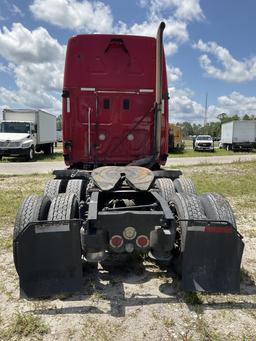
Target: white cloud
[173,74]
[182,107]
[20,45]
[89,16]
[5,68]
[96,17]
[170,48]
[36,62]
[22,99]
[175,32]
[232,70]
[174,29]
[237,103]
[45,76]
[187,10]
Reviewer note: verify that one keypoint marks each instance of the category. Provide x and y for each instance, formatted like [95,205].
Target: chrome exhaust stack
[159,82]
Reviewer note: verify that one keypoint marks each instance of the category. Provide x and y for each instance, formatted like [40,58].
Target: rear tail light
[142,241]
[116,241]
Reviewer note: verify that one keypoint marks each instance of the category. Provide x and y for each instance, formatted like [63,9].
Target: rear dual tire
[57,186]
[64,207]
[184,185]
[54,187]
[216,207]
[168,188]
[39,208]
[77,187]
[33,208]
[187,207]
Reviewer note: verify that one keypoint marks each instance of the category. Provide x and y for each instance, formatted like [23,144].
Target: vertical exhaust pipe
[159,95]
[149,162]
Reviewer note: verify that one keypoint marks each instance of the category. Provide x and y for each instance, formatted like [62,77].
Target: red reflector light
[142,241]
[116,241]
[218,229]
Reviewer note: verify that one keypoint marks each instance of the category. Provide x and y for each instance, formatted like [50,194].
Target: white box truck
[238,135]
[24,132]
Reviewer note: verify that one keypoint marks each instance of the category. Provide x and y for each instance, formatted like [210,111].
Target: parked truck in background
[203,143]
[24,132]
[238,135]
[175,141]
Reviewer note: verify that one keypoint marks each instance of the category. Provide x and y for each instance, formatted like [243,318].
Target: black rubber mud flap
[212,258]
[49,258]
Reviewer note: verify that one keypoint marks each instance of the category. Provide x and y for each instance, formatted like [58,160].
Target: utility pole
[206,108]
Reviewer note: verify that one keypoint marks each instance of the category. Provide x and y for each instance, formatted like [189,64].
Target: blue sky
[209,47]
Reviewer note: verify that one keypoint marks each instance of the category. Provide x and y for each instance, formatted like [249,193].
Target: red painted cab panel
[108,100]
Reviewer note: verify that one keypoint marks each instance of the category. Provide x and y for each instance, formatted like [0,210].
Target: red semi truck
[114,198]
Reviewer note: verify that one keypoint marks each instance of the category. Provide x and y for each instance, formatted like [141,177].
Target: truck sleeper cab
[109,101]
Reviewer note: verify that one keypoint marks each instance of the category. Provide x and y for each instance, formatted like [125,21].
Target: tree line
[211,128]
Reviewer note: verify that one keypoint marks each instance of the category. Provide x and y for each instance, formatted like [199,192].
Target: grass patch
[235,179]
[217,152]
[204,331]
[6,243]
[25,325]
[168,322]
[93,330]
[57,156]
[193,298]
[15,188]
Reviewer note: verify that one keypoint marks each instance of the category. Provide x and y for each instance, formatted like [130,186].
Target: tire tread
[184,185]
[166,187]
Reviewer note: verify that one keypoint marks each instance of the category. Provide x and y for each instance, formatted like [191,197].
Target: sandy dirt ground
[135,300]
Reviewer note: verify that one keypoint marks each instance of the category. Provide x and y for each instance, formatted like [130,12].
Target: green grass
[57,156]
[192,298]
[217,152]
[235,179]
[93,329]
[24,325]
[13,189]
[6,243]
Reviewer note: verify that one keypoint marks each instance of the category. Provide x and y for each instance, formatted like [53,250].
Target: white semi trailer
[24,132]
[238,135]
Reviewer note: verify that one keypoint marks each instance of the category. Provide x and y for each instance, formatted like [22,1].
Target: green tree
[246,117]
[186,128]
[226,118]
